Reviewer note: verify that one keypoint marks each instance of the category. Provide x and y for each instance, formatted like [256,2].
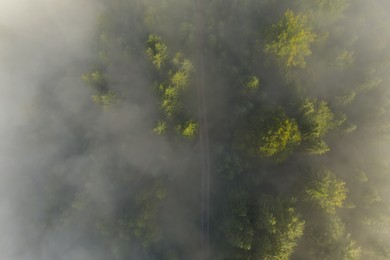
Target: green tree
[189,129]
[252,83]
[270,134]
[95,79]
[290,39]
[161,128]
[237,227]
[170,100]
[327,192]
[316,119]
[145,222]
[345,59]
[265,229]
[106,100]
[157,51]
[280,227]
[326,238]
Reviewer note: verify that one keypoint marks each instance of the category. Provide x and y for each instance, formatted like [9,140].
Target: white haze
[39,40]
[45,46]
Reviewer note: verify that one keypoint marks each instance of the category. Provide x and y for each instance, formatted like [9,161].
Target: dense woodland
[298,123]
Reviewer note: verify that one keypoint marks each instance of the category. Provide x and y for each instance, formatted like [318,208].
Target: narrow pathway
[203,134]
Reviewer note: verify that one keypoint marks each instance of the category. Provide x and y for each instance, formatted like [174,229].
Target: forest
[196,130]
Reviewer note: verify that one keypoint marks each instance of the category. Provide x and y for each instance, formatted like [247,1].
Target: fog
[83,176]
[40,43]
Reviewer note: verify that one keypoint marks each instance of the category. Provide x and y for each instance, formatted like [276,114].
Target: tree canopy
[220,129]
[327,192]
[290,40]
[270,135]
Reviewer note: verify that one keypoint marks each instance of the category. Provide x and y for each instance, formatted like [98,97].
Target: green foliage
[95,79]
[269,229]
[369,85]
[347,98]
[182,63]
[244,137]
[252,83]
[281,227]
[291,39]
[145,225]
[351,251]
[170,101]
[325,13]
[187,32]
[345,59]
[176,80]
[161,128]
[285,133]
[361,176]
[237,227]
[106,100]
[270,135]
[190,129]
[157,51]
[180,79]
[317,147]
[329,240]
[328,192]
[316,119]
[331,6]
[347,128]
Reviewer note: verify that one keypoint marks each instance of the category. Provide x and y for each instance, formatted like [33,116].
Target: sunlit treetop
[252,83]
[188,129]
[157,51]
[290,40]
[316,119]
[283,226]
[328,192]
[271,135]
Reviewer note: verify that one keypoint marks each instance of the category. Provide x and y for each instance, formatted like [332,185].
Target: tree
[327,239]
[252,83]
[95,79]
[161,128]
[237,227]
[329,8]
[265,229]
[175,80]
[280,227]
[145,222]
[190,129]
[290,40]
[170,100]
[316,119]
[270,134]
[157,51]
[345,59]
[327,192]
[106,100]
